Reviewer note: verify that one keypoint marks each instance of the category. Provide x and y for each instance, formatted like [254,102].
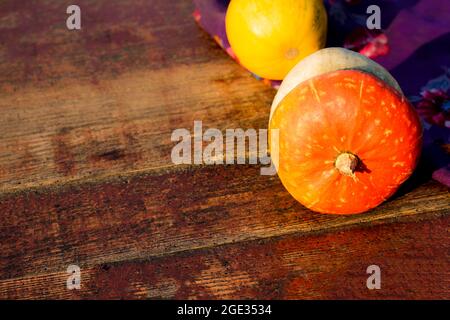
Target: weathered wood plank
[116,37]
[106,99]
[145,215]
[413,258]
[86,178]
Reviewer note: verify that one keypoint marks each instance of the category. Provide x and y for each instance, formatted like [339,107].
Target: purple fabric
[414,46]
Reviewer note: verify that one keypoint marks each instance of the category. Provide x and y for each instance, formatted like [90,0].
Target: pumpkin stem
[347,163]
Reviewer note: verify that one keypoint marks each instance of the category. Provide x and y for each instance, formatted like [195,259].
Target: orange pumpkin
[347,141]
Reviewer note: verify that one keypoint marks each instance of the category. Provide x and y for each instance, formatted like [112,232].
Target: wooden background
[86,177]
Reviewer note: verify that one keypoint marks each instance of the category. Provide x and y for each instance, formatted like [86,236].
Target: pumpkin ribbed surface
[347,141]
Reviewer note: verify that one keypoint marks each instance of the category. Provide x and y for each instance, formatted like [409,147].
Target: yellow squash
[270,37]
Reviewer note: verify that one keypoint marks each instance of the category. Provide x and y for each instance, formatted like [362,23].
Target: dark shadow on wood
[421,175]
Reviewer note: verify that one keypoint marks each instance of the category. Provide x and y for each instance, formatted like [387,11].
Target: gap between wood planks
[285,268]
[295,219]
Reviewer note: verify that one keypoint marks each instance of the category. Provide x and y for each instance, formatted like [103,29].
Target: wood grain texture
[107,98]
[86,176]
[141,216]
[413,258]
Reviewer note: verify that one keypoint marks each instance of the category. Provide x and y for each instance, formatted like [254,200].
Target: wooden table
[86,176]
